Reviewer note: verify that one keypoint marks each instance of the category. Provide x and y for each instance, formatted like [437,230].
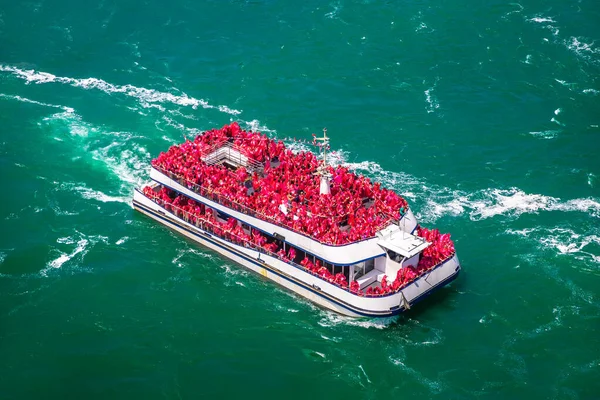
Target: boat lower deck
[308,286]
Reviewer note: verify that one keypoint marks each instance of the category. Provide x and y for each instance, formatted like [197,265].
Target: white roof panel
[400,242]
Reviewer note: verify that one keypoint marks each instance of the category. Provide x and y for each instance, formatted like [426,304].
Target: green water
[485,116]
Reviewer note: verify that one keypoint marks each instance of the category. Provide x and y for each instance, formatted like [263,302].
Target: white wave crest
[492,202]
[146,97]
[192,132]
[72,121]
[564,240]
[296,146]
[64,257]
[481,204]
[489,203]
[540,19]
[97,195]
[334,13]
[129,166]
[187,251]
[548,134]
[256,126]
[582,49]
[82,243]
[26,100]
[432,102]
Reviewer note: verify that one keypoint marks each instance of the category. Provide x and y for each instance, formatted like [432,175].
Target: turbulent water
[485,116]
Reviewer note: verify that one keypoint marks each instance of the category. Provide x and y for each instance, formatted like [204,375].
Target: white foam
[74,123]
[297,146]
[564,240]
[25,100]
[228,110]
[58,211]
[489,203]
[564,83]
[431,100]
[2,256]
[128,165]
[548,134]
[83,245]
[364,373]
[582,49]
[514,11]
[189,250]
[591,91]
[336,340]
[540,19]
[330,319]
[423,26]
[175,261]
[522,232]
[147,97]
[190,133]
[334,13]
[557,111]
[122,240]
[232,271]
[433,386]
[256,126]
[97,195]
[516,202]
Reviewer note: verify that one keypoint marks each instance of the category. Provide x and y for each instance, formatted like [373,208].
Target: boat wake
[565,242]
[39,103]
[482,204]
[182,253]
[122,156]
[148,98]
[331,319]
[91,194]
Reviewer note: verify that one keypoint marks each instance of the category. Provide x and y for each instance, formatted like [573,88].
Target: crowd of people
[286,189]
[197,213]
[441,248]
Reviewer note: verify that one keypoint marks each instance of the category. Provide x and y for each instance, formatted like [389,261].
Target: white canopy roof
[400,242]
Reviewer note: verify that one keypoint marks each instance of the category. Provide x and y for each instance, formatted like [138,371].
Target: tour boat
[319,230]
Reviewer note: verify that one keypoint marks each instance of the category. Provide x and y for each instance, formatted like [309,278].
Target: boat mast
[323,169]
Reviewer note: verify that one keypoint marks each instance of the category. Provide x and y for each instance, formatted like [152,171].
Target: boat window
[394,256]
[369,265]
[359,270]
[364,268]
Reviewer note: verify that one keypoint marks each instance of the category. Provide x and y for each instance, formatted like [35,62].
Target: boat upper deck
[247,170]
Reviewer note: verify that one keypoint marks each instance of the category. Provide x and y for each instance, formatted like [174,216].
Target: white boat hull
[299,280]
